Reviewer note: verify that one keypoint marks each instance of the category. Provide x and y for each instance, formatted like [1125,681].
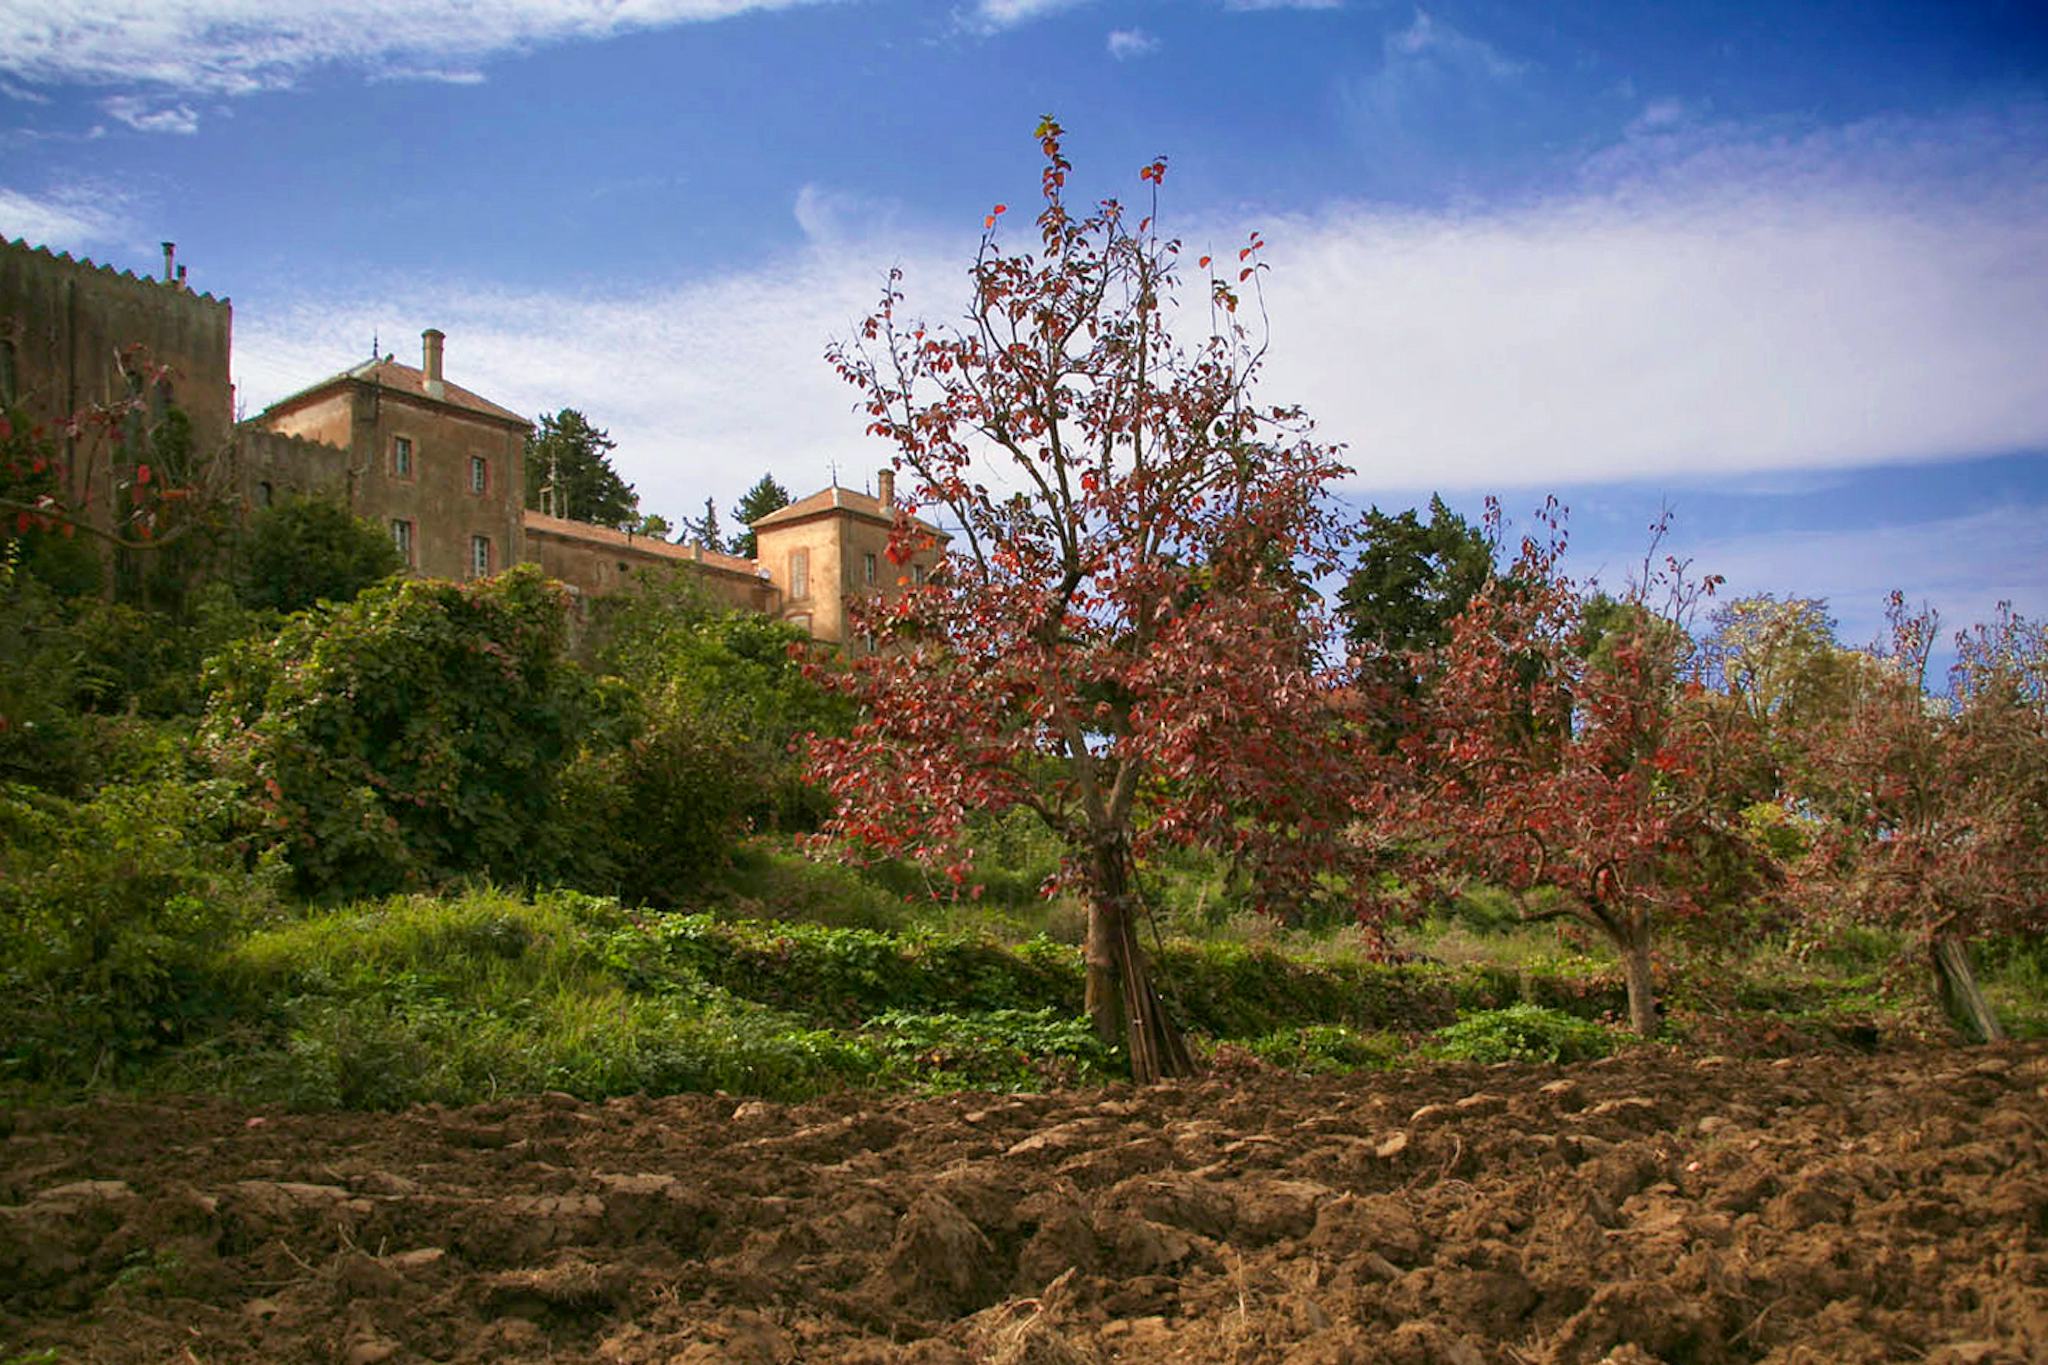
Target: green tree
[412,736]
[310,550]
[757,502]
[705,530]
[570,459]
[1412,579]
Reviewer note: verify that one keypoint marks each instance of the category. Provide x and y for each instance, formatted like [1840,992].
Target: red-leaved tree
[1122,638]
[1932,812]
[1573,751]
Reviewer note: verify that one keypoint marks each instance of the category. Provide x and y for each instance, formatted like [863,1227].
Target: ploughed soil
[1656,1206]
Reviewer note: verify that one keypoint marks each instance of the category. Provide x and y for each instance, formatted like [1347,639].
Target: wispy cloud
[1867,296]
[1430,41]
[830,216]
[146,116]
[1127,43]
[239,46]
[993,16]
[74,217]
[1754,309]
[439,75]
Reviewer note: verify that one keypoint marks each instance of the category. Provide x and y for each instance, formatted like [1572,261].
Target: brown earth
[1653,1207]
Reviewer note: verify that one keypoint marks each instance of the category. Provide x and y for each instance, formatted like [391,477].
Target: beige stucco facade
[439,467]
[833,546]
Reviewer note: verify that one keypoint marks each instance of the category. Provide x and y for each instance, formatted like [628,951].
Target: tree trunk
[1122,1002]
[1642,984]
[1960,994]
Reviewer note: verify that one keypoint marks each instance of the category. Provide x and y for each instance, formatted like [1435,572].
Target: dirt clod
[1841,1207]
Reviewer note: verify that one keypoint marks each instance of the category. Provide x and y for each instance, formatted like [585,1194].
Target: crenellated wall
[70,329]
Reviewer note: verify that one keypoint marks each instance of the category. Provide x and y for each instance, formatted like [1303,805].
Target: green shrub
[308,550]
[1523,1033]
[1329,1049]
[413,736]
[110,913]
[766,882]
[990,1050]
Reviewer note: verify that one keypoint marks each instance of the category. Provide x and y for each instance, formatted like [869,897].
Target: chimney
[885,489]
[170,255]
[430,361]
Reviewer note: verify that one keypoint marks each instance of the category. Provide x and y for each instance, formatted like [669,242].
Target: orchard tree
[1120,638]
[1934,810]
[570,460]
[1580,754]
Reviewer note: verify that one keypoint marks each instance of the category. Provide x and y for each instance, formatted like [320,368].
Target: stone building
[437,465]
[834,545]
[443,468]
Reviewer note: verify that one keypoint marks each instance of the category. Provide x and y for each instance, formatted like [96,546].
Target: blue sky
[1780,267]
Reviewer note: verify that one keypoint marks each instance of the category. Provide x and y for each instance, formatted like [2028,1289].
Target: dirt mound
[1649,1208]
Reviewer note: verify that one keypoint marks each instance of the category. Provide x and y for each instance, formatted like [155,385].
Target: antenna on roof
[375,349]
[835,473]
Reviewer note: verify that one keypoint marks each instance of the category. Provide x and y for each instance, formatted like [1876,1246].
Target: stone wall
[596,560]
[71,331]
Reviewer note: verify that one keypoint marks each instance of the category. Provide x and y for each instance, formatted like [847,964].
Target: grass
[484,994]
[804,978]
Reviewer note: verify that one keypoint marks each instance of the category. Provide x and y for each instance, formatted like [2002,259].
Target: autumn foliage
[1931,812]
[1122,638]
[1543,754]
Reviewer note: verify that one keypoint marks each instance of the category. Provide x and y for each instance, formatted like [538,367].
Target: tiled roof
[648,545]
[839,499]
[387,373]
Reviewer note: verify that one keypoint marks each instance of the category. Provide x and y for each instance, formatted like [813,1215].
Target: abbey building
[438,465]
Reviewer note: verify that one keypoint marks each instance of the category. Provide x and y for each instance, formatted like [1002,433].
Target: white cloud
[145,116]
[460,75]
[1427,39]
[1869,296]
[239,46]
[1753,310]
[67,218]
[990,16]
[1127,43]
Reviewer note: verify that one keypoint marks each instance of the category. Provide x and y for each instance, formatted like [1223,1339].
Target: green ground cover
[802,978]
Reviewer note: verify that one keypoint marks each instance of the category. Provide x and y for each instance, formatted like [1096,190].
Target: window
[265,494]
[401,457]
[479,474]
[917,574]
[799,574]
[479,556]
[867,569]
[401,536]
